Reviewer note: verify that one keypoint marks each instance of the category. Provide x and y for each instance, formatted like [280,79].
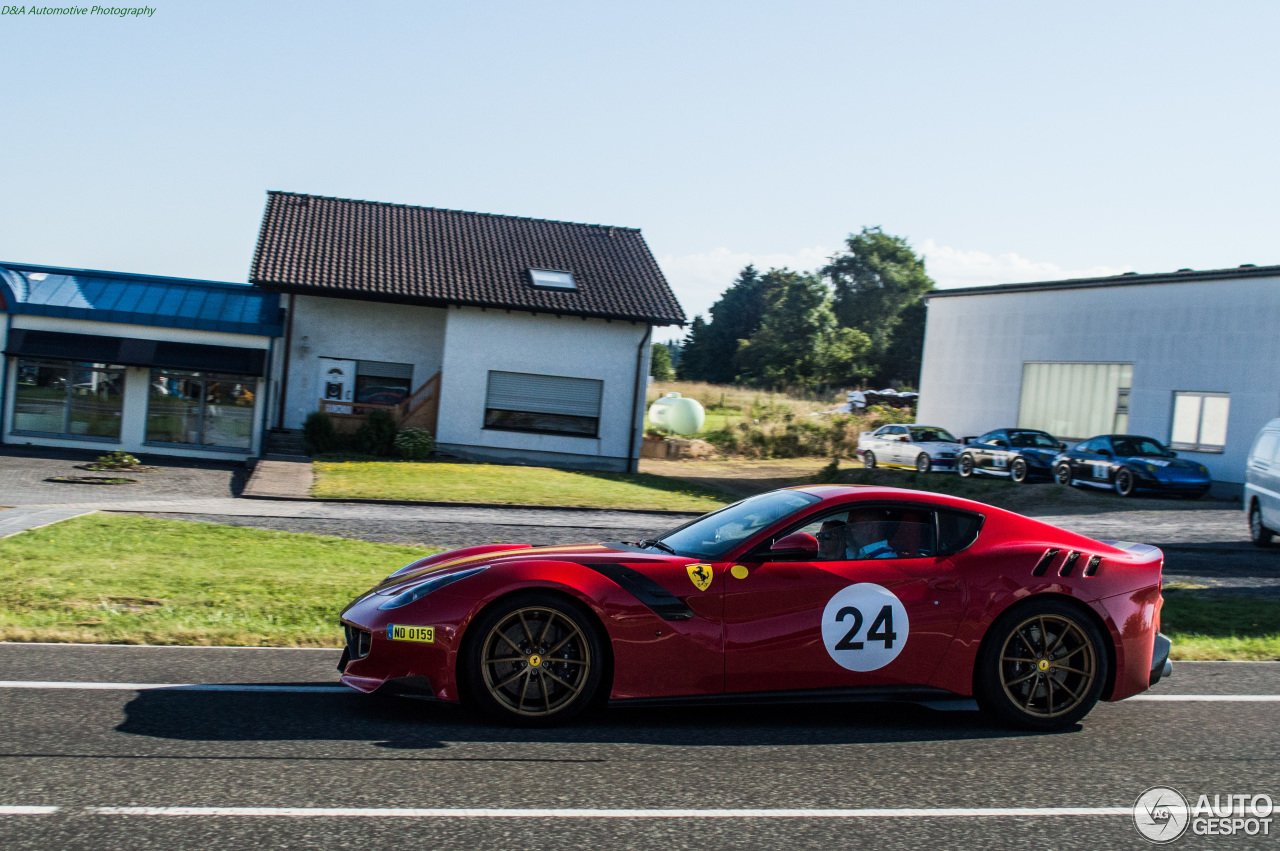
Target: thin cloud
[955,267]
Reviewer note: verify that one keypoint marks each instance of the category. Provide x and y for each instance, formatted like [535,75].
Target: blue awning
[140,300]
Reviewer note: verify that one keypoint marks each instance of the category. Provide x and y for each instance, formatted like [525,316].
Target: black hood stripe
[663,603]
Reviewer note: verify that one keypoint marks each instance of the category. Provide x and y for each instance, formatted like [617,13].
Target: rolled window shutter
[380,369]
[544,394]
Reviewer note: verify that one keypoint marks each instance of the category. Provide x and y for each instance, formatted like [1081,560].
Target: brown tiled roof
[393,252]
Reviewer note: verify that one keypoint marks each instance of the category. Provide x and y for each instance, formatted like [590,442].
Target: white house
[115,361]
[513,339]
[1190,358]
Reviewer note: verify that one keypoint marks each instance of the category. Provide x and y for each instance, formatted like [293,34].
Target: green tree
[799,342]
[735,316]
[660,362]
[875,280]
[695,352]
[901,361]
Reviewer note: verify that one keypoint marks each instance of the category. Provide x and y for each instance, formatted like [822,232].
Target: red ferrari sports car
[802,594]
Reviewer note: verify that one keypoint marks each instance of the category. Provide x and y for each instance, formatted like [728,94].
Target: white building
[1189,358]
[113,361]
[513,339]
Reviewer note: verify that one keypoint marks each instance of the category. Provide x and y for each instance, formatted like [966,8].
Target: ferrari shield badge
[700,575]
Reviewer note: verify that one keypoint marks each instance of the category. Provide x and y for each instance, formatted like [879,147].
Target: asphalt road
[81,748]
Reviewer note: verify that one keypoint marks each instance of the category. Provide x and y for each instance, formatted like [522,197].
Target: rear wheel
[1062,473]
[535,659]
[869,459]
[1124,483]
[1260,534]
[923,463]
[965,466]
[1018,470]
[1042,667]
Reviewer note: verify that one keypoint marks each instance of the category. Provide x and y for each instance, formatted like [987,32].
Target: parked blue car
[1019,453]
[1128,463]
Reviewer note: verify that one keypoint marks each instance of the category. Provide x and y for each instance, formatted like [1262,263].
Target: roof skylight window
[552,279]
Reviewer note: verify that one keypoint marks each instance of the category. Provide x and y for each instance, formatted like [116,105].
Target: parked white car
[918,447]
[1262,485]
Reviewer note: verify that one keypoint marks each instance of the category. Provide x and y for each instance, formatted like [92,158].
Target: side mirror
[797,543]
[1173,454]
[1062,447]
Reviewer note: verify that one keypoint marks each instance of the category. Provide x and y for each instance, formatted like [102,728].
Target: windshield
[1032,439]
[1139,446]
[931,435]
[715,534]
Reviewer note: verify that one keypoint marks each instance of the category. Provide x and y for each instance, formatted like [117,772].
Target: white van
[1262,485]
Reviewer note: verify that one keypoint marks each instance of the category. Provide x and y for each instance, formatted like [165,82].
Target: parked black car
[1018,453]
[1128,463]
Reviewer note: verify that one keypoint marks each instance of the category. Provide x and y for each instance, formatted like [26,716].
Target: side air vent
[1069,564]
[1043,564]
[1092,567]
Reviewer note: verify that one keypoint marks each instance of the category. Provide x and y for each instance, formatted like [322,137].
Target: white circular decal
[864,627]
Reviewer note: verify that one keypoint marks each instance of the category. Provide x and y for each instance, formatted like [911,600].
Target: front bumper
[372,661]
[1161,667]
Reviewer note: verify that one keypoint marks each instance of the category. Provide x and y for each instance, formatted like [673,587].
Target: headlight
[425,587]
[1204,471]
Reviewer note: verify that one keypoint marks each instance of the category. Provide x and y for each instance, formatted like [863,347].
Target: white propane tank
[681,415]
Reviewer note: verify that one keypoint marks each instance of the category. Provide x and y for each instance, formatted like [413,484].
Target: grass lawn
[135,580]
[1205,626]
[441,482]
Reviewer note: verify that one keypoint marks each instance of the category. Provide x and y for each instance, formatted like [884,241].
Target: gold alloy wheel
[1047,666]
[536,661]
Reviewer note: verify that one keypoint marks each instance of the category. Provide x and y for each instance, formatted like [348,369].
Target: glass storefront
[69,399]
[199,409]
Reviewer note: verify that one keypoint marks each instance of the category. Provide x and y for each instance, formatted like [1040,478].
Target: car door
[980,451]
[1000,455]
[901,451]
[839,619]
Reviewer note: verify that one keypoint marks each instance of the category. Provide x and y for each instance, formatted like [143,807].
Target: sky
[1006,141]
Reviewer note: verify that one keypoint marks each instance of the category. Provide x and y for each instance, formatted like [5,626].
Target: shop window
[69,399]
[195,409]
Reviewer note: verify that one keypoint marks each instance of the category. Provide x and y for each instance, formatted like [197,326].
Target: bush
[118,459]
[319,433]
[378,434]
[828,475]
[415,444]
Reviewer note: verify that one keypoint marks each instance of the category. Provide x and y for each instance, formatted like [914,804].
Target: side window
[1090,446]
[1265,447]
[989,437]
[957,530]
[886,532]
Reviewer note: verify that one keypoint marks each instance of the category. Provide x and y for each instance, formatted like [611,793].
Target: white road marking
[39,684]
[1217,698]
[398,812]
[27,811]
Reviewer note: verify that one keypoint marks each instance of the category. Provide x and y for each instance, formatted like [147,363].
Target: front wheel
[965,466]
[535,659]
[1062,473]
[1124,482]
[869,459]
[1018,470]
[1042,666]
[1259,534]
[923,463]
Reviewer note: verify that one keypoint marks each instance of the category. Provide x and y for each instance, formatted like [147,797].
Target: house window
[1076,400]
[69,399]
[198,409]
[1200,421]
[545,404]
[381,383]
[552,278]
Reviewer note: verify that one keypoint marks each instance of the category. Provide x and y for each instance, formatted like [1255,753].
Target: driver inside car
[868,536]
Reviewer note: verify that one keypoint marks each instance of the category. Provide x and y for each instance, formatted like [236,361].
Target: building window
[553,279]
[380,383]
[545,404]
[1200,421]
[1076,400]
[197,409]
[69,399]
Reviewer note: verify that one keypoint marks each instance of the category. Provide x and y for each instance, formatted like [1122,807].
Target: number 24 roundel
[864,627]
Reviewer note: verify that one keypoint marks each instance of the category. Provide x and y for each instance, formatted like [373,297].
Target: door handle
[945,584]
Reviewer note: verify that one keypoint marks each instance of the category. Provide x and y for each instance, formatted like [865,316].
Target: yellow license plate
[425,634]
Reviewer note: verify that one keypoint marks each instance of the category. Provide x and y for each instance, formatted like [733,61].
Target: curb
[661,512]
